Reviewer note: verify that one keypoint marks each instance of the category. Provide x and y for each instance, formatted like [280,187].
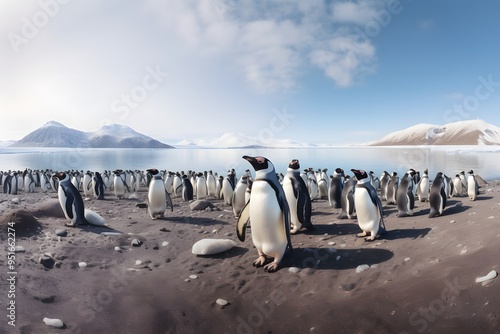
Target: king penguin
[336,186]
[269,214]
[437,197]
[70,200]
[297,197]
[157,195]
[368,207]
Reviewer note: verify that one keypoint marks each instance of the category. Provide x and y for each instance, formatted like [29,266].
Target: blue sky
[313,71]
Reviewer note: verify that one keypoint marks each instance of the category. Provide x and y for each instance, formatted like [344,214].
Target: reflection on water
[451,160]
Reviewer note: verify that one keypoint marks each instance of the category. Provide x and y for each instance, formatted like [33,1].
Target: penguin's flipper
[169,201]
[443,195]
[69,203]
[241,224]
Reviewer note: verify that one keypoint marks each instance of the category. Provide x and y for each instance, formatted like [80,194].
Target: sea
[484,160]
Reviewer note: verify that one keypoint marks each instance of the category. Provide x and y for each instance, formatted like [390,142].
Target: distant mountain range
[470,132]
[54,134]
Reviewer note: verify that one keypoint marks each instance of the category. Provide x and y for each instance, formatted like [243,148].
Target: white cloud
[358,12]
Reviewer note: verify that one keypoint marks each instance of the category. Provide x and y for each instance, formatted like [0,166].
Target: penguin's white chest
[266,219]
[62,201]
[367,212]
[290,198]
[156,197]
[118,186]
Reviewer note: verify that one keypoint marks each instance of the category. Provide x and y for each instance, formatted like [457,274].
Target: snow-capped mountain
[54,134]
[470,132]
[240,140]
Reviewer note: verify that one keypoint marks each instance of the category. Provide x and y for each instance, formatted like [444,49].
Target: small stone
[491,217]
[61,232]
[57,323]
[193,276]
[464,251]
[165,243]
[338,257]
[215,231]
[117,249]
[343,245]
[47,261]
[82,264]
[293,270]
[325,234]
[187,280]
[221,302]
[491,275]
[16,200]
[375,266]
[136,242]
[138,262]
[452,222]
[19,249]
[164,230]
[108,234]
[407,259]
[331,243]
[361,268]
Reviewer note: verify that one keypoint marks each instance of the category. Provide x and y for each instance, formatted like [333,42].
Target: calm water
[485,161]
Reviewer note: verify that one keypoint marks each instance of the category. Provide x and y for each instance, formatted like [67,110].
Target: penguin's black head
[339,171]
[60,176]
[471,172]
[152,171]
[294,164]
[359,173]
[258,163]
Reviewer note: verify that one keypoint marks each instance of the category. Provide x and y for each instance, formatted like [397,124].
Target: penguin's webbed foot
[370,238]
[271,267]
[260,261]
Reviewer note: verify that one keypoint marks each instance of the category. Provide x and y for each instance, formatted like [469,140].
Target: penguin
[177,185]
[437,197]
[187,189]
[10,184]
[392,188]
[201,186]
[211,184]
[86,184]
[463,178]
[226,192]
[384,182]
[248,192]
[238,198]
[449,186]
[347,198]
[458,189]
[472,186]
[70,200]
[119,183]
[297,197]
[374,181]
[405,200]
[168,182]
[157,196]
[218,186]
[336,186]
[269,214]
[368,207]
[423,187]
[323,184]
[29,182]
[312,186]
[98,186]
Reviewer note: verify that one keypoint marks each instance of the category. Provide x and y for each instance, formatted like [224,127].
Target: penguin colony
[275,205]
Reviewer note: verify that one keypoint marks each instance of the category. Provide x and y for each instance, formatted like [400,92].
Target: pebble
[82,264]
[136,242]
[165,243]
[338,257]
[343,245]
[47,261]
[221,302]
[215,231]
[491,275]
[19,249]
[362,267]
[57,323]
[111,233]
[491,217]
[464,251]
[293,270]
[452,222]
[407,259]
[331,243]
[193,276]
[187,280]
[61,232]
[117,249]
[16,200]
[138,262]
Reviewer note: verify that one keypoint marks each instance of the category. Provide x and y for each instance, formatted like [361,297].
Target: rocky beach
[139,275]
